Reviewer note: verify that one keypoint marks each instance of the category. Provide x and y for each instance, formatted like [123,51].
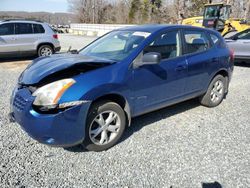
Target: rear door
[7,39]
[199,54]
[25,37]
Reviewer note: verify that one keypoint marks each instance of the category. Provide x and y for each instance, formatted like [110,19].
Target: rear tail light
[55,36]
[231,54]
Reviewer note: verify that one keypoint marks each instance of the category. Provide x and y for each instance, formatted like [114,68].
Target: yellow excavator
[217,16]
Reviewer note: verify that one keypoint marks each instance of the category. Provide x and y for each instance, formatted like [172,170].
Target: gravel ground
[76,42]
[185,145]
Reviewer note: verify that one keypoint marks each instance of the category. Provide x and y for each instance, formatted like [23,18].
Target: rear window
[214,38]
[24,28]
[7,29]
[38,28]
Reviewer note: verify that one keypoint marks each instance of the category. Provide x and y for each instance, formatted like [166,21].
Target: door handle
[13,38]
[246,42]
[181,67]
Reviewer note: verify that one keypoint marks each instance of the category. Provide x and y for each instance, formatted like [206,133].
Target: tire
[45,50]
[109,134]
[215,93]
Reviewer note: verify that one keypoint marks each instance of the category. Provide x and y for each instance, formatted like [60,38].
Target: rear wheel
[45,50]
[105,125]
[215,93]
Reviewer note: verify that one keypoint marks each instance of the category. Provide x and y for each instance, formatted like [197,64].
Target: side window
[244,35]
[24,28]
[196,41]
[167,44]
[7,29]
[38,28]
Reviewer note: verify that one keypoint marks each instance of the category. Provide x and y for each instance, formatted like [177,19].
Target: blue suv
[89,97]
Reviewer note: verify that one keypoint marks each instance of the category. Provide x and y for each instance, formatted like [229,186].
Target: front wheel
[215,93]
[106,123]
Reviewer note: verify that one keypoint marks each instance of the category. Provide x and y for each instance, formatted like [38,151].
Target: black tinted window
[244,35]
[7,29]
[196,41]
[167,44]
[38,28]
[23,28]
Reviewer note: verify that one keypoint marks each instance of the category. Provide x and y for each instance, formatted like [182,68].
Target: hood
[55,67]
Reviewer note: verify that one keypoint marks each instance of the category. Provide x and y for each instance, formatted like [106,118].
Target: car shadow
[212,185]
[16,59]
[76,149]
[242,64]
[139,122]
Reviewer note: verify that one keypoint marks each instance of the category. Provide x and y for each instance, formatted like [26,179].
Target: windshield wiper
[72,51]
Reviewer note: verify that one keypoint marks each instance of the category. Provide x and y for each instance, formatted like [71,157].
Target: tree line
[52,18]
[146,11]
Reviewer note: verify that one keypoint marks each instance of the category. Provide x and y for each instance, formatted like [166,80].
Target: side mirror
[150,58]
[72,51]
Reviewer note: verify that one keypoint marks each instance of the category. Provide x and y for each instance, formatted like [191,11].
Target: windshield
[116,45]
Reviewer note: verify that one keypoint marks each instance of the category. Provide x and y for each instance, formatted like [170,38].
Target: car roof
[158,27]
[21,21]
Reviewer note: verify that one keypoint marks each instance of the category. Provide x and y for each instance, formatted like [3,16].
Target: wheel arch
[120,100]
[225,74]
[45,43]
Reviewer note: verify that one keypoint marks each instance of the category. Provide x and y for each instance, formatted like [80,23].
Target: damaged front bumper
[62,129]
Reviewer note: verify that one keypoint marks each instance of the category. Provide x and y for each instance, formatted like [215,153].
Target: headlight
[50,94]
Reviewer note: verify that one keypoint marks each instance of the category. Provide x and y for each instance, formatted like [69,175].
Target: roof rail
[21,19]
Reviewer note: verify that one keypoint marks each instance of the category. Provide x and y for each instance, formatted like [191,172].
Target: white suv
[23,37]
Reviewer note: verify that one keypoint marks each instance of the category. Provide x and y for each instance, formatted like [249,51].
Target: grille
[19,102]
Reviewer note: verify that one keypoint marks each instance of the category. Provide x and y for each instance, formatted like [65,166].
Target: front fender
[81,92]
[111,90]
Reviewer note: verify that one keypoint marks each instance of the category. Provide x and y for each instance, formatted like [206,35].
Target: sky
[34,5]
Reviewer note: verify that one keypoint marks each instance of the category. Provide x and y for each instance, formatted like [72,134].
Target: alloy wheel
[217,91]
[46,51]
[104,128]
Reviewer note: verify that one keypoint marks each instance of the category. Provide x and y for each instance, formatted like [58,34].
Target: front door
[156,85]
[7,39]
